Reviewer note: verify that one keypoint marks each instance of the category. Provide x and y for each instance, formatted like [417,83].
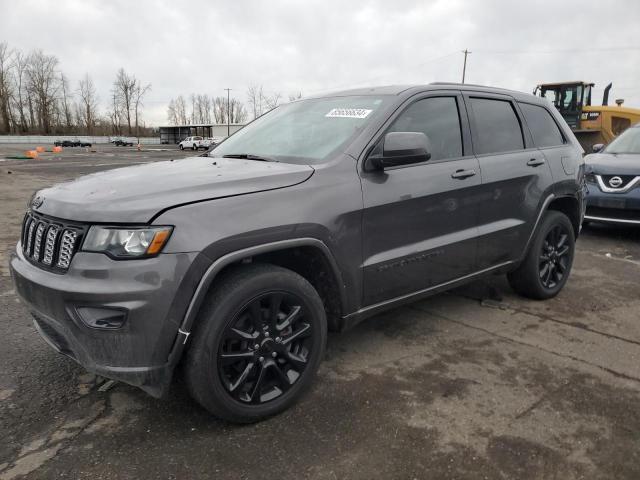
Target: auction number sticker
[349,113]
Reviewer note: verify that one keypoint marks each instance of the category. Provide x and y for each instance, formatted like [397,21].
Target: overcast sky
[316,46]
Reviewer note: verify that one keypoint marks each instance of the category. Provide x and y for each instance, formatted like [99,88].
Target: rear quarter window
[497,128]
[543,128]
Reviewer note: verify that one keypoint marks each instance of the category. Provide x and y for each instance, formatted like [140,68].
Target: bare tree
[220,109]
[114,114]
[88,103]
[43,86]
[238,112]
[272,101]
[172,117]
[66,101]
[295,96]
[6,87]
[181,110]
[138,94]
[124,88]
[255,98]
[20,68]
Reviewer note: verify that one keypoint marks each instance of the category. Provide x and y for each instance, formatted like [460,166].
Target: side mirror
[401,148]
[597,147]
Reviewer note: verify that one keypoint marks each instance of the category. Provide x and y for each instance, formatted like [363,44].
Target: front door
[420,221]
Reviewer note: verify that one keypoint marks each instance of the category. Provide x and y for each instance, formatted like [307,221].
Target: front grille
[625,180]
[50,243]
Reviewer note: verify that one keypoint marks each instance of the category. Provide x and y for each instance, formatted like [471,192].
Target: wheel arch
[295,254]
[570,206]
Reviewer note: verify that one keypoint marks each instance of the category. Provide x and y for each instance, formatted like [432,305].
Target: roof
[194,125]
[554,84]
[411,89]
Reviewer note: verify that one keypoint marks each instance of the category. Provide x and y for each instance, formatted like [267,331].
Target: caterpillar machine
[591,124]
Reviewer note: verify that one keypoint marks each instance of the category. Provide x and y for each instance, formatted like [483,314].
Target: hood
[136,194]
[610,164]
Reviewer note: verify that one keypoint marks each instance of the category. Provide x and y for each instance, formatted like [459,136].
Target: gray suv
[318,214]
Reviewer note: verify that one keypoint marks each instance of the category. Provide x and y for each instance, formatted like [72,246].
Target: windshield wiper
[249,156]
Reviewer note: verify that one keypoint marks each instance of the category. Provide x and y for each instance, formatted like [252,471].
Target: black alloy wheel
[257,344]
[545,269]
[265,349]
[554,257]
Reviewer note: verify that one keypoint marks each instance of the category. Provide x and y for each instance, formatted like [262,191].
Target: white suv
[193,143]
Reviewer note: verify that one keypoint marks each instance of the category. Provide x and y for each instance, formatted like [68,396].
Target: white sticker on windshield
[349,113]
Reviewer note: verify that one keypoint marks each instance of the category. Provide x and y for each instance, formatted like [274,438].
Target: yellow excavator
[591,124]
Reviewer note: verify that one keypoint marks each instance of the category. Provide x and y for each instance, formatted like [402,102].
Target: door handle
[462,174]
[535,162]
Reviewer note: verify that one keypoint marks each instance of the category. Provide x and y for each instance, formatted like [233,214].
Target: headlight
[131,242]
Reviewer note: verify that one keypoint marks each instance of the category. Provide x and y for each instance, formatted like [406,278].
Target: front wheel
[181,147]
[195,147]
[546,268]
[258,343]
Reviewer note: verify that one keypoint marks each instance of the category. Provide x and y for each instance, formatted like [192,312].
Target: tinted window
[497,126]
[543,128]
[438,119]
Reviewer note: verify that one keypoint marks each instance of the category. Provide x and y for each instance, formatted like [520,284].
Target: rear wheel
[546,268]
[261,336]
[195,147]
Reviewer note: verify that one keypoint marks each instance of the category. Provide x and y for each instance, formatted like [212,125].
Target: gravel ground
[475,383]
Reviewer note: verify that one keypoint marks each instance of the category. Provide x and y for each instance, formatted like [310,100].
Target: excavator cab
[569,98]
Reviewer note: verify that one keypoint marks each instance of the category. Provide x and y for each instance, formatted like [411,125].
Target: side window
[497,126]
[438,119]
[544,130]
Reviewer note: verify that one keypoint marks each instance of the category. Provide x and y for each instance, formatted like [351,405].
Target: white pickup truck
[193,143]
[196,143]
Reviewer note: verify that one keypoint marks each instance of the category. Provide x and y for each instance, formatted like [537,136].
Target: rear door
[420,221]
[515,178]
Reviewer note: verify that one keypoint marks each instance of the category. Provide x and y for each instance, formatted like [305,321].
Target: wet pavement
[471,384]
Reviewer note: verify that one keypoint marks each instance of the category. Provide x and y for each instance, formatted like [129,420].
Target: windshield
[307,131]
[627,142]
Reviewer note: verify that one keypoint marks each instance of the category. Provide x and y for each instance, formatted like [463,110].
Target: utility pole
[464,67]
[228,112]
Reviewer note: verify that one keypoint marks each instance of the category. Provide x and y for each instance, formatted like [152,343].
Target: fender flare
[214,269]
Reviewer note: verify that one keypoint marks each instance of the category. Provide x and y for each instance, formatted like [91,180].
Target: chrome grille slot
[37,243]
[67,245]
[32,227]
[50,243]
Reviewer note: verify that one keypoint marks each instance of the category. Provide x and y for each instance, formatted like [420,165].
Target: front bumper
[618,208]
[143,293]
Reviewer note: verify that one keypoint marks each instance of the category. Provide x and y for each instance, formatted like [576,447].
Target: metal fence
[49,139]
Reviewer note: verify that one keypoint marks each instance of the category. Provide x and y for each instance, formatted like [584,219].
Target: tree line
[206,109]
[37,98]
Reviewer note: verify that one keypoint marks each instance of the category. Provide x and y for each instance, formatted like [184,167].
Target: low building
[173,134]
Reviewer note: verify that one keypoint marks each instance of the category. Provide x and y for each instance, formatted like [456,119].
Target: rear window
[497,126]
[544,130]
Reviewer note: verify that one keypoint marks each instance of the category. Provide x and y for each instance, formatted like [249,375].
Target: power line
[563,50]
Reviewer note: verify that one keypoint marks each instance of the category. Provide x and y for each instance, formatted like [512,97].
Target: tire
[546,268]
[181,147]
[195,147]
[223,367]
